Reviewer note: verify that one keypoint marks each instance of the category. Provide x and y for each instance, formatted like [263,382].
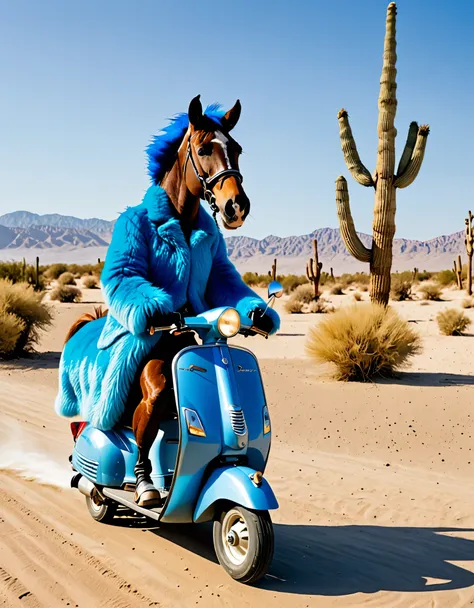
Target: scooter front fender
[233,484]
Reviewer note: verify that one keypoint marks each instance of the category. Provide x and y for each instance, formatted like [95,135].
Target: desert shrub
[430,291]
[66,293]
[357,296]
[66,278]
[320,306]
[16,272]
[90,281]
[363,342]
[54,271]
[424,276]
[305,293]
[11,327]
[405,275]
[291,281]
[400,290]
[424,303]
[20,301]
[362,286]
[336,290]
[452,322]
[294,306]
[445,278]
[358,277]
[468,302]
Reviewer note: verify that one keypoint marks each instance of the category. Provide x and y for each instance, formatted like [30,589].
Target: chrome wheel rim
[235,537]
[96,503]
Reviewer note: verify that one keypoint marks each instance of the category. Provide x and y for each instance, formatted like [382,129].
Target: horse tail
[83,319]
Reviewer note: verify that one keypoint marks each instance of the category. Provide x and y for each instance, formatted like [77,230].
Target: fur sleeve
[131,298]
[226,288]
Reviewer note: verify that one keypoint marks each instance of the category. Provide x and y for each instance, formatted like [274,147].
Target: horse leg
[145,424]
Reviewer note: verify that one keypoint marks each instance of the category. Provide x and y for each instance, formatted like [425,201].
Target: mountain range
[57,237]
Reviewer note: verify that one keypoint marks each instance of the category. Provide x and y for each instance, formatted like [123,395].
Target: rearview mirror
[275,290]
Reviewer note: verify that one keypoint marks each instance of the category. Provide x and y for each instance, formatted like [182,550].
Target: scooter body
[208,461]
[222,386]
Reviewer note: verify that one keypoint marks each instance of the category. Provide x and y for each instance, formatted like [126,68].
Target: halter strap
[209,182]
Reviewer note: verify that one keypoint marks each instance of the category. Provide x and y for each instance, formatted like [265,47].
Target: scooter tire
[252,564]
[103,512]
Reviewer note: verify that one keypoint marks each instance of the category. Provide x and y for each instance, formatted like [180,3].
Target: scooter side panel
[248,381]
[108,458]
[195,388]
[233,484]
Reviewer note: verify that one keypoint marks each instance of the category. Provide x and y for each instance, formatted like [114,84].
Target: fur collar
[160,211]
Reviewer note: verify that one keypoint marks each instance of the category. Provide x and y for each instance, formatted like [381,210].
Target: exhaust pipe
[84,486]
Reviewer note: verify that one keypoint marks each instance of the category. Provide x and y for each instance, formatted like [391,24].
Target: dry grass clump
[452,322]
[294,307]
[363,342]
[430,291]
[54,271]
[336,290]
[66,293]
[303,294]
[424,303]
[357,296]
[468,302]
[445,278]
[90,281]
[22,316]
[320,306]
[66,278]
[401,290]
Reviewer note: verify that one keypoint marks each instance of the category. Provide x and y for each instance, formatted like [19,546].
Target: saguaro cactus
[313,269]
[273,272]
[469,242]
[37,273]
[457,269]
[384,181]
[415,274]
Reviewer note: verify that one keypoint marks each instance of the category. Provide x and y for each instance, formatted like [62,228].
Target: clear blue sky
[85,84]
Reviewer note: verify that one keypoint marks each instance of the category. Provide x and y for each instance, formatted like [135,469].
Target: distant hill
[57,237]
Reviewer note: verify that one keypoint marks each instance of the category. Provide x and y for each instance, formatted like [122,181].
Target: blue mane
[163,148]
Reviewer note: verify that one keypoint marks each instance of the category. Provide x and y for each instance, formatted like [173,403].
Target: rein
[209,182]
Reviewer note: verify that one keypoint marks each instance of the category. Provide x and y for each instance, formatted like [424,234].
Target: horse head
[211,164]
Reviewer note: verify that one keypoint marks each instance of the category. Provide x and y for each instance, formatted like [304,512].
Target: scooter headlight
[228,323]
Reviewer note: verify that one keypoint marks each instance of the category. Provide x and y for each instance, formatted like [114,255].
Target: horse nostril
[229,209]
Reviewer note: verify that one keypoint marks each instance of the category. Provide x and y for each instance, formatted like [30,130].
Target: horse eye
[205,150]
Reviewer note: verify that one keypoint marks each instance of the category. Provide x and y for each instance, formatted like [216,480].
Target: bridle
[208,182]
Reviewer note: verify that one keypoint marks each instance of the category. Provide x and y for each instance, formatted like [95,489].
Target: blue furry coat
[149,268]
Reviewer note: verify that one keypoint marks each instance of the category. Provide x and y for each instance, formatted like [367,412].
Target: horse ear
[230,119]
[195,112]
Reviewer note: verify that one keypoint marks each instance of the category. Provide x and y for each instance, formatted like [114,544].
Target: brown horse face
[215,151]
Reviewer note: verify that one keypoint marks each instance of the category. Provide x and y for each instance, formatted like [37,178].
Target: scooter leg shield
[233,484]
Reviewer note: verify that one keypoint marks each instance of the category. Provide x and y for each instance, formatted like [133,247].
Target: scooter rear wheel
[103,511]
[243,542]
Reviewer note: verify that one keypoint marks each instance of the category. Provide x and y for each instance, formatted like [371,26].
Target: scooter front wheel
[243,542]
[103,511]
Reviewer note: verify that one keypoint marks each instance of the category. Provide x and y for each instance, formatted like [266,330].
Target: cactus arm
[349,149]
[308,272]
[416,160]
[409,146]
[348,232]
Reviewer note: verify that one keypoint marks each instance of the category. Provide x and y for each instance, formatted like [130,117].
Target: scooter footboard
[233,484]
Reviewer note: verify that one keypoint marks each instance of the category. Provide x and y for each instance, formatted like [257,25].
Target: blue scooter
[208,462]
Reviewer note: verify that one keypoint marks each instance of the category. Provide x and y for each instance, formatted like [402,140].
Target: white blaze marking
[222,140]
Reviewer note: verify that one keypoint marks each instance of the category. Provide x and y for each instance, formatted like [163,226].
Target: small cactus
[457,269]
[469,242]
[37,274]
[415,274]
[313,270]
[273,272]
[332,275]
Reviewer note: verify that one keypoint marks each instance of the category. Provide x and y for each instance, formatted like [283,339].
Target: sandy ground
[374,483]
